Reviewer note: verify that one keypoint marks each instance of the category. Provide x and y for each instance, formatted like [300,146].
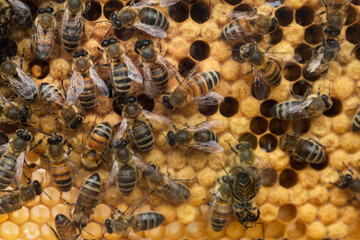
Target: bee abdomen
[9,203]
[146,221]
[7,170]
[71,35]
[310,151]
[220,215]
[160,76]
[120,78]
[89,194]
[87,97]
[52,96]
[153,17]
[62,176]
[205,136]
[284,111]
[201,84]
[235,30]
[273,74]
[142,135]
[100,137]
[126,179]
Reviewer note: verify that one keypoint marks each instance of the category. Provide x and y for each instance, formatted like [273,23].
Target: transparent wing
[19,167]
[204,125]
[112,175]
[144,167]
[284,56]
[261,164]
[3,100]
[168,3]
[216,201]
[211,146]
[334,5]
[20,8]
[150,89]
[211,98]
[315,63]
[143,3]
[242,14]
[44,37]
[4,147]
[151,30]
[25,86]
[121,131]
[168,65]
[156,117]
[76,87]
[99,83]
[260,87]
[191,74]
[133,72]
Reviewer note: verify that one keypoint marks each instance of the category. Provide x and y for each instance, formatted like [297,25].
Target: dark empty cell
[3,138]
[310,76]
[320,166]
[261,91]
[200,12]
[57,1]
[275,3]
[292,71]
[287,212]
[278,126]
[185,66]
[304,51]
[356,2]
[357,52]
[250,138]
[179,12]
[9,128]
[243,8]
[335,109]
[229,107]
[276,36]
[111,6]
[297,165]
[190,1]
[8,47]
[351,15]
[301,126]
[200,50]
[288,178]
[39,68]
[258,125]
[353,33]
[304,16]
[266,106]
[124,34]
[313,34]
[146,102]
[94,11]
[33,7]
[117,105]
[284,15]
[208,110]
[235,54]
[268,143]
[269,177]
[301,87]
[233,2]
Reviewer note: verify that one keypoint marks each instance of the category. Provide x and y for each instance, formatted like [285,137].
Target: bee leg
[53,231]
[31,165]
[66,202]
[36,145]
[22,58]
[231,147]
[351,171]
[337,185]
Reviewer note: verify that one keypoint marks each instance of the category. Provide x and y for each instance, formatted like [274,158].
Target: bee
[356,122]
[83,82]
[157,70]
[195,89]
[141,17]
[58,106]
[305,107]
[198,136]
[21,82]
[96,146]
[347,181]
[45,25]
[122,69]
[247,24]
[12,113]
[73,24]
[5,18]
[336,11]
[65,228]
[302,149]
[21,13]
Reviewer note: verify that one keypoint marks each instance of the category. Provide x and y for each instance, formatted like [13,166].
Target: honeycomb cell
[20,216]
[250,138]
[274,3]
[174,230]
[304,52]
[200,50]
[233,2]
[8,47]
[266,106]
[200,12]
[9,230]
[185,66]
[301,87]
[276,36]
[243,8]
[335,109]
[292,71]
[258,125]
[258,92]
[195,229]
[179,12]
[208,110]
[275,229]
[40,214]
[284,15]
[94,11]
[39,68]
[229,107]
[124,34]
[313,34]
[320,166]
[278,126]
[287,212]
[312,77]
[269,177]
[29,230]
[111,6]
[296,230]
[352,33]
[354,232]
[288,178]
[304,16]
[268,143]
[146,102]
[301,126]
[351,15]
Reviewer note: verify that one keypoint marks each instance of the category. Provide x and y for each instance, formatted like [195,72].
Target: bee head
[327,100]
[140,44]
[247,50]
[243,145]
[274,25]
[25,114]
[171,138]
[74,5]
[332,32]
[108,226]
[77,122]
[38,187]
[108,42]
[128,100]
[167,103]
[54,138]
[114,18]
[2,59]
[120,143]
[24,134]
[80,53]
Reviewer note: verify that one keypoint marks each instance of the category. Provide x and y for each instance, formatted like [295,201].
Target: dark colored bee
[12,113]
[21,13]
[347,181]
[336,11]
[5,18]
[65,228]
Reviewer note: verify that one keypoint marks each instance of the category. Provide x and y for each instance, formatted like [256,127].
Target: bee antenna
[53,231]
[47,194]
[165,138]
[231,49]
[107,32]
[222,166]
[43,132]
[234,136]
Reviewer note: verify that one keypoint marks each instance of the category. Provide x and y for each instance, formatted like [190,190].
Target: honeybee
[96,145]
[336,11]
[122,69]
[21,82]
[45,25]
[83,82]
[198,136]
[195,89]
[13,113]
[139,16]
[157,70]
[21,13]
[73,24]
[303,149]
[323,56]
[347,181]
[65,228]
[57,105]
[5,18]
[247,24]
[306,107]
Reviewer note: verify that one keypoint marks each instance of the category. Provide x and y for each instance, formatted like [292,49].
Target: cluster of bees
[238,186]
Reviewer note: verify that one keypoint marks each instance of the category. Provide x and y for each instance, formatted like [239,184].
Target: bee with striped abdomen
[302,149]
[336,11]
[96,145]
[5,18]
[45,25]
[57,105]
[83,82]
[65,229]
[122,69]
[21,82]
[21,13]
[12,113]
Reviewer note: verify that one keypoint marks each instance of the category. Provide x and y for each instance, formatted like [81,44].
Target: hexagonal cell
[258,125]
[243,8]
[200,50]
[304,16]
[352,33]
[310,76]
[229,107]
[8,47]
[233,2]
[297,165]
[111,6]
[301,87]
[354,232]
[39,68]
[288,178]
[301,126]
[275,229]
[124,34]
[266,106]
[284,15]
[351,15]
[179,12]
[235,54]
[278,126]
[268,143]
[250,138]
[287,212]
[146,102]
[260,93]
[269,177]
[274,3]
[320,166]
[313,34]
[335,109]
[208,110]
[304,51]
[292,71]
[185,66]
[94,12]
[276,36]
[296,230]
[200,12]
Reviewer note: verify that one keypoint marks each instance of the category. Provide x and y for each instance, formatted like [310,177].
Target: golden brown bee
[45,25]
[347,181]
[57,105]
[302,149]
[336,11]
[21,82]
[5,18]
[12,113]
[356,121]
[97,144]
[83,82]
[65,228]
[21,13]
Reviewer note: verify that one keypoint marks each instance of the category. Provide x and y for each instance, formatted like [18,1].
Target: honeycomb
[298,204]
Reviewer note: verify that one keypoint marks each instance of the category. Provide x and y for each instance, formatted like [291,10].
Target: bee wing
[48,37]
[260,86]
[144,167]
[73,26]
[191,74]
[204,125]
[315,63]
[75,88]
[3,100]
[20,8]
[333,5]
[173,189]
[211,146]
[151,30]
[169,66]
[260,162]
[25,85]
[284,56]
[122,129]
[242,14]
[212,98]
[3,147]
[150,89]
[20,166]
[143,3]
[99,83]
[133,72]
[157,117]
[168,3]
[112,175]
